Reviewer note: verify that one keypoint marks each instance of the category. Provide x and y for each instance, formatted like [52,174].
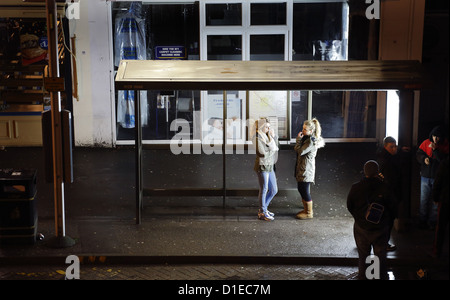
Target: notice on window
[272,105]
[213,118]
[170,52]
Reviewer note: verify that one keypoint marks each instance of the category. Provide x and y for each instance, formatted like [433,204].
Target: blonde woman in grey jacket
[309,140]
[266,144]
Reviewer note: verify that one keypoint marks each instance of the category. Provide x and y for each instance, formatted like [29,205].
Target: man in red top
[430,153]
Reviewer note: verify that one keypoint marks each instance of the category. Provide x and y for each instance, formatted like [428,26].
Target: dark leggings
[304,190]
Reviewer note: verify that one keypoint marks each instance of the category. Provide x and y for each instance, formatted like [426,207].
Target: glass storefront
[223,14]
[245,30]
[224,47]
[157,31]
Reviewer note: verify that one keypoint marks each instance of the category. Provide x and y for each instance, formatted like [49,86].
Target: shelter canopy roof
[269,75]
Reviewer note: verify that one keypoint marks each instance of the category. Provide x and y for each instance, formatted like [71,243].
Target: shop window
[267,47]
[320,31]
[268,13]
[335,30]
[224,47]
[223,14]
[155,31]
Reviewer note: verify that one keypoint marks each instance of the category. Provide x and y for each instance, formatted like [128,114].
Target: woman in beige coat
[266,143]
[309,140]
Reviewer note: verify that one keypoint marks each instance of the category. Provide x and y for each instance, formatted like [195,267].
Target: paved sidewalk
[184,233]
[184,272]
[212,247]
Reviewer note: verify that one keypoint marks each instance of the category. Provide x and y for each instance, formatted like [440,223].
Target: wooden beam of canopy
[269,75]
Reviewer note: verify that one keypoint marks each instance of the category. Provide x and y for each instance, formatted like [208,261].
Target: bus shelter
[137,75]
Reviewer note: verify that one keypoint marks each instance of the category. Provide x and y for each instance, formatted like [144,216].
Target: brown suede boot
[307,213]
[302,211]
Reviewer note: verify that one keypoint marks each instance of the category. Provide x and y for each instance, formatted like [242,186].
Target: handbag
[374,213]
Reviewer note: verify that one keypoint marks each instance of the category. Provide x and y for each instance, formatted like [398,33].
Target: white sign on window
[213,118]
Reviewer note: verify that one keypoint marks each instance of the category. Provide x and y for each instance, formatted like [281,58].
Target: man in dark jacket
[370,234]
[390,162]
[430,153]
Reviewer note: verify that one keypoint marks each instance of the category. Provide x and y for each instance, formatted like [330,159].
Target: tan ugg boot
[302,211]
[307,213]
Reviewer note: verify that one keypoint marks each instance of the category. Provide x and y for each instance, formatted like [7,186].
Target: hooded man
[429,155]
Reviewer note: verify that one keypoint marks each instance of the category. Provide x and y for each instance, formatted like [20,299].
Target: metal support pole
[224,168]
[309,106]
[138,148]
[405,138]
[60,240]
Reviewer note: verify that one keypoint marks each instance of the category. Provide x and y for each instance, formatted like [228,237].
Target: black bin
[18,214]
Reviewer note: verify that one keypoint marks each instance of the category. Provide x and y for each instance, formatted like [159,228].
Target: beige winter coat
[266,152]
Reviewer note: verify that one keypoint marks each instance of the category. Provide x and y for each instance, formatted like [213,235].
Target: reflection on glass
[328,50]
[299,111]
[328,108]
[345,114]
[223,14]
[224,47]
[267,47]
[268,13]
[320,31]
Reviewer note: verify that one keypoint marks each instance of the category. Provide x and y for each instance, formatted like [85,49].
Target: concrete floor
[100,210]
[104,178]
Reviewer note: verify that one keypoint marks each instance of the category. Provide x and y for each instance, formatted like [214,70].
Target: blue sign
[170,52]
[43,42]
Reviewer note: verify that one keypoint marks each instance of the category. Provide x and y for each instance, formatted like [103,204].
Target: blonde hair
[257,124]
[261,122]
[316,130]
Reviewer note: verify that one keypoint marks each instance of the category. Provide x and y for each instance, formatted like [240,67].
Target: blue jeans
[427,210]
[267,188]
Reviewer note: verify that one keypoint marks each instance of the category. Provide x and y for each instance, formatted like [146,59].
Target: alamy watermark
[211,143]
[373,270]
[73,10]
[73,270]
[373,10]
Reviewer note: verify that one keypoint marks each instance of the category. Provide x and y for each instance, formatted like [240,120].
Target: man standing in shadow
[371,204]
